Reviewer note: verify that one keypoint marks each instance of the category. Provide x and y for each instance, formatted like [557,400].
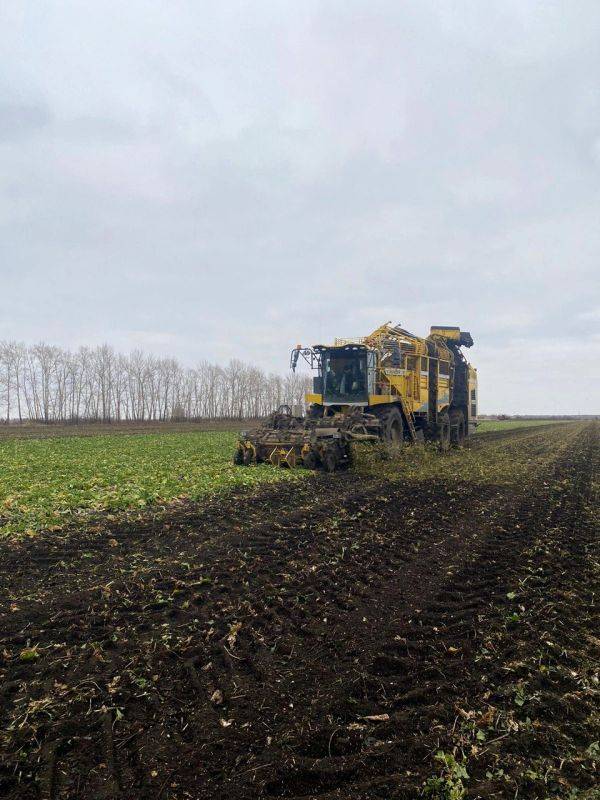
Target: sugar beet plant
[50,483]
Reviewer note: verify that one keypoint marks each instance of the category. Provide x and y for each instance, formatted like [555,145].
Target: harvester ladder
[410,419]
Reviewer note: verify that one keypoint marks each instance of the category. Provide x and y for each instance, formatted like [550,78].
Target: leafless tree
[49,384]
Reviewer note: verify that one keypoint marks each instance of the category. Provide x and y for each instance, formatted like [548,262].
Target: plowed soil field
[426,627]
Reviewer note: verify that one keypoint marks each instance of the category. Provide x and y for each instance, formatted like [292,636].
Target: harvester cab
[390,386]
[345,373]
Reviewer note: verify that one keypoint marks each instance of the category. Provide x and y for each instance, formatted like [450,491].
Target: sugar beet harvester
[390,386]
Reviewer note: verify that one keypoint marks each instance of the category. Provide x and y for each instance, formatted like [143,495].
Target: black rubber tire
[393,427]
[457,428]
[315,412]
[248,457]
[443,432]
[238,457]
[311,460]
[330,461]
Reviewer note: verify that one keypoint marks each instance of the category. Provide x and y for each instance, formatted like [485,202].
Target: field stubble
[419,627]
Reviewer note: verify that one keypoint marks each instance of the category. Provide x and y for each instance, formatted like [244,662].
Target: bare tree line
[50,384]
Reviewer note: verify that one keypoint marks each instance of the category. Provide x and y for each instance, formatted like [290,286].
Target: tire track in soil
[543,667]
[430,680]
[513,433]
[418,679]
[367,600]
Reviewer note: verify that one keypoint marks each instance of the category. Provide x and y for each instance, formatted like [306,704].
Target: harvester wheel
[238,457]
[393,427]
[444,432]
[457,428]
[248,456]
[315,411]
[330,460]
[311,460]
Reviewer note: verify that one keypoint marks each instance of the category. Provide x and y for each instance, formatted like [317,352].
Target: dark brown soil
[320,640]
[37,430]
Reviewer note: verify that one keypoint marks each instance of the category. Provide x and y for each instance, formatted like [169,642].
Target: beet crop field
[57,481]
[418,627]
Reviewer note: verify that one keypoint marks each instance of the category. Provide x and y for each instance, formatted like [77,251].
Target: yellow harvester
[391,386]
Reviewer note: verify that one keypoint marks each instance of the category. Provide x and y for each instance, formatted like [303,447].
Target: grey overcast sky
[225,179]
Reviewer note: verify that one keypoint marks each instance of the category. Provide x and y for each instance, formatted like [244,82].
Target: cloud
[18,121]
[243,177]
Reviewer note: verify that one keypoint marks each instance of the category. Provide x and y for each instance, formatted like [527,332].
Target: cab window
[344,377]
